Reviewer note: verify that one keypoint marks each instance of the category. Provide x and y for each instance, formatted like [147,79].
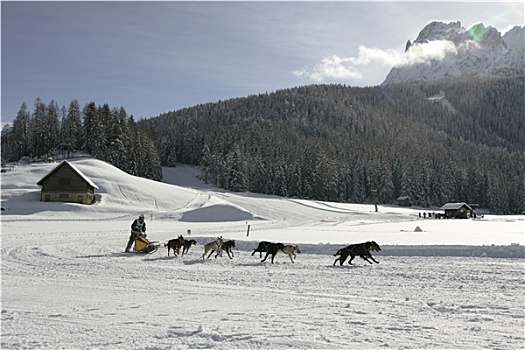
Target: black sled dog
[270,249]
[175,244]
[361,249]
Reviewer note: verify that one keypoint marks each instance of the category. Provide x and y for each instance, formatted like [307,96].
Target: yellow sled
[143,245]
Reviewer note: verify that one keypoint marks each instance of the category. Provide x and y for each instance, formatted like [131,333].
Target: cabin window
[63,196]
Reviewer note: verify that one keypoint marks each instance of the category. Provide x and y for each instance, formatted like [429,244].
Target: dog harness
[353,246]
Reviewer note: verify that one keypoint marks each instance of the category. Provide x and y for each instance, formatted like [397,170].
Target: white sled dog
[291,249]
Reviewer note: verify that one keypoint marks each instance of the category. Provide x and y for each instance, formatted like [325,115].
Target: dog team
[271,249]
[363,250]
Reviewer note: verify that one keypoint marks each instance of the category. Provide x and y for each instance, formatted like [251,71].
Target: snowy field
[66,283]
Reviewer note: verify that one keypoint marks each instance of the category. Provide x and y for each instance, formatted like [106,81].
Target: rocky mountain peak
[449,50]
[515,38]
[440,31]
[487,37]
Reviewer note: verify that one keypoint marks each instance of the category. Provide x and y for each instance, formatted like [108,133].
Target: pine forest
[450,140]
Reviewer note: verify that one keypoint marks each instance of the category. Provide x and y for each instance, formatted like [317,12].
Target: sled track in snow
[80,296]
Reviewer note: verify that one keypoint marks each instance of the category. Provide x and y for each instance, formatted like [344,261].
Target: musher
[138,228]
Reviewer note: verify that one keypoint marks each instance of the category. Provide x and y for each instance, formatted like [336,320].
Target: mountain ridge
[339,143]
[448,50]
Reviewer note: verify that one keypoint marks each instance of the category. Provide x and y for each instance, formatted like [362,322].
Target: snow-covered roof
[455,206]
[75,169]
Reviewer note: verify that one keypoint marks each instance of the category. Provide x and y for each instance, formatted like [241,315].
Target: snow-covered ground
[66,283]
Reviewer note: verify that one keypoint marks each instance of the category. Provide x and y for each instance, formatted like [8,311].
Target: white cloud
[337,68]
[422,53]
[330,68]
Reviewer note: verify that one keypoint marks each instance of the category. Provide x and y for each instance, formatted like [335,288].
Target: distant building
[457,210]
[65,183]
[404,201]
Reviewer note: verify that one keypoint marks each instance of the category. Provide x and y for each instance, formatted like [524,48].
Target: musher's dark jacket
[138,225]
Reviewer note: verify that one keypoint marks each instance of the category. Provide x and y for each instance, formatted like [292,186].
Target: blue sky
[155,57]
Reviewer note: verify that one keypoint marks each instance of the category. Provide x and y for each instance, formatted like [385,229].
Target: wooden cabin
[457,210]
[404,201]
[65,183]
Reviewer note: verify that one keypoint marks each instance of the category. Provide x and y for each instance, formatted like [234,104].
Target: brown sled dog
[291,250]
[215,245]
[227,247]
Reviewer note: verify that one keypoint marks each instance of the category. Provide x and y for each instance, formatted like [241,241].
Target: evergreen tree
[118,138]
[280,183]
[52,129]
[207,166]
[103,132]
[236,170]
[20,134]
[309,179]
[72,129]
[398,177]
[38,130]
[8,145]
[259,176]
[90,129]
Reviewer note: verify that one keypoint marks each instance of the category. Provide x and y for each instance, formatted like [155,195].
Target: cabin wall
[461,213]
[67,196]
[66,179]
[67,186]
[404,202]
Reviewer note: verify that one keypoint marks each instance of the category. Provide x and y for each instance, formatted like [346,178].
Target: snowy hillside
[66,282]
[121,197]
[449,50]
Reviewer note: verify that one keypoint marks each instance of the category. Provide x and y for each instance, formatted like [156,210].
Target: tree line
[362,145]
[105,133]
[321,142]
